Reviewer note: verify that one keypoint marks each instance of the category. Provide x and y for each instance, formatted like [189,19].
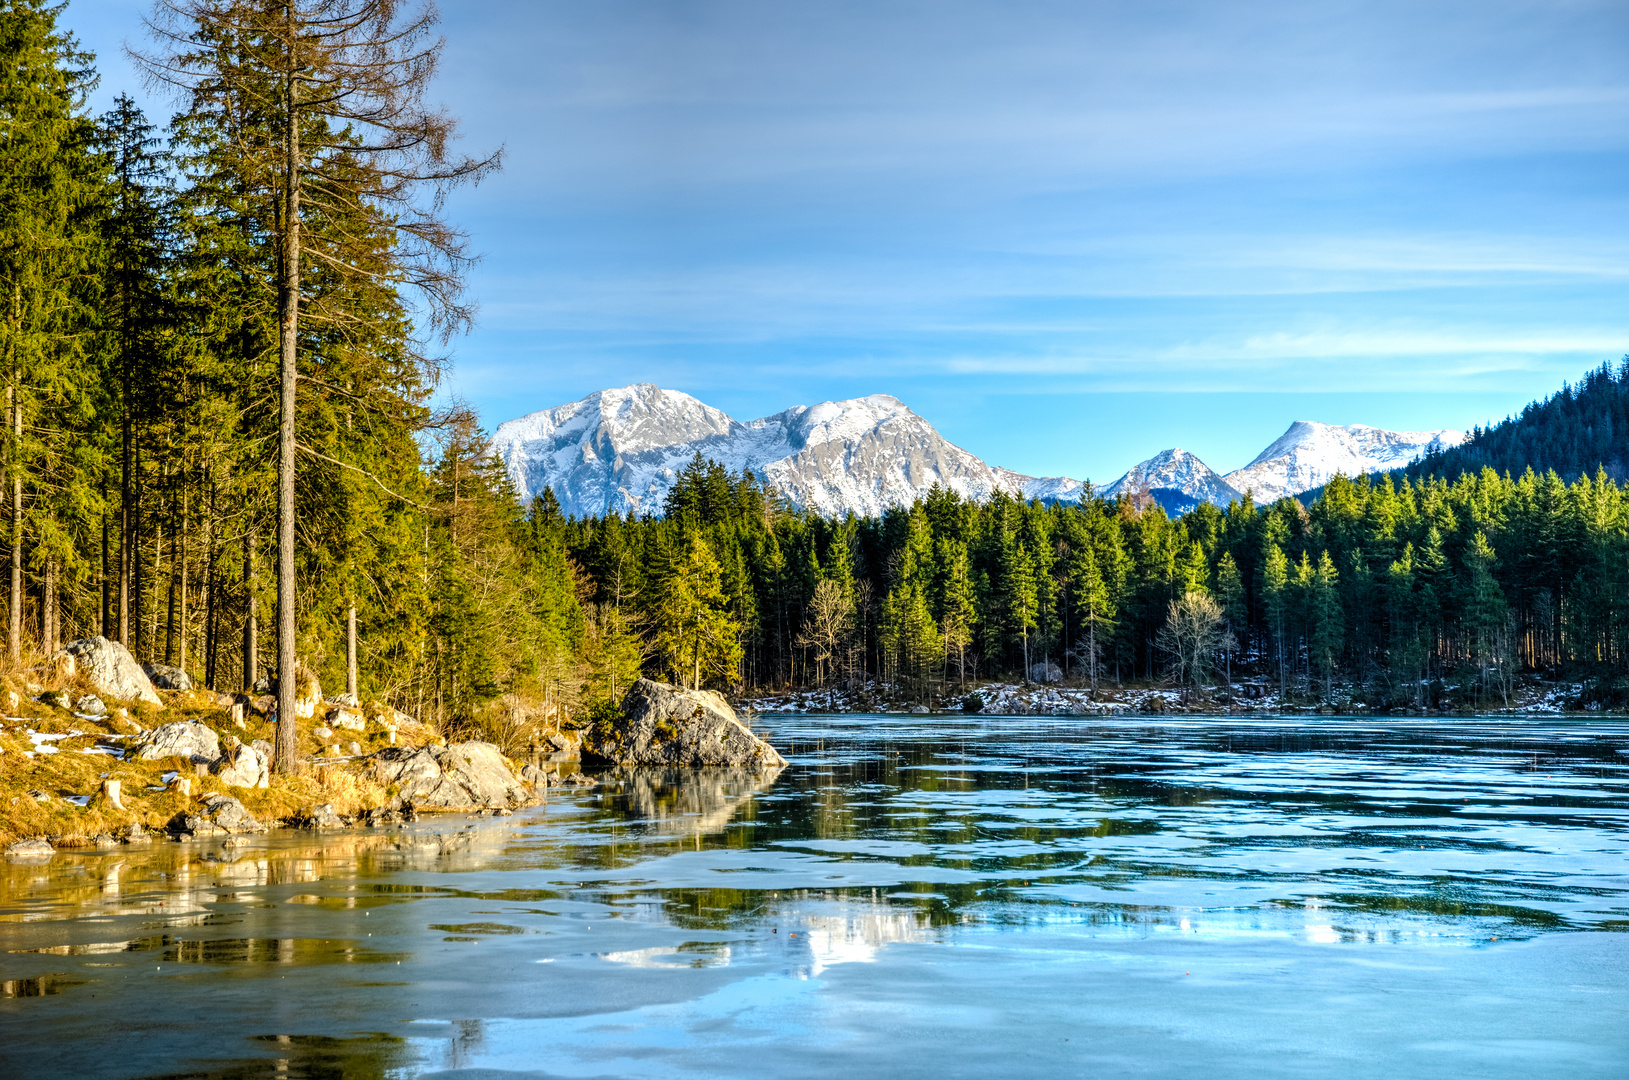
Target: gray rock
[105,840]
[664,725]
[167,676]
[320,817]
[349,719]
[91,705]
[347,700]
[243,766]
[37,846]
[471,775]
[111,670]
[135,834]
[218,815]
[183,738]
[58,698]
[534,776]
[1045,673]
[920,710]
[384,815]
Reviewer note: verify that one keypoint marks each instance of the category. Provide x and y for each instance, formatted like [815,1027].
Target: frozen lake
[912,897]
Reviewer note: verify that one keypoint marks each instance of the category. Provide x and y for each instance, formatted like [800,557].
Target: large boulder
[109,667]
[183,738]
[464,776]
[216,815]
[243,766]
[167,676]
[665,725]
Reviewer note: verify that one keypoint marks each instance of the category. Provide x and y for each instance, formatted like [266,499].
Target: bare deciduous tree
[827,628]
[1192,635]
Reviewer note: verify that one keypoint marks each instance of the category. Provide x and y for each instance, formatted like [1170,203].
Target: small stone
[167,677]
[324,733]
[320,817]
[36,846]
[91,705]
[105,840]
[40,796]
[183,738]
[356,749]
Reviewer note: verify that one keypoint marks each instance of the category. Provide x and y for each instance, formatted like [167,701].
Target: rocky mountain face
[620,450]
[1175,479]
[1309,454]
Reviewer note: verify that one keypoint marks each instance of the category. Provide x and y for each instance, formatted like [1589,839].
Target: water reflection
[903,882]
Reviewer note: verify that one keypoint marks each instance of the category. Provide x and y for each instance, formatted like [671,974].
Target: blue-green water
[912,897]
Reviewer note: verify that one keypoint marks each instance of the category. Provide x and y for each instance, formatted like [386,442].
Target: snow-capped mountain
[1309,454]
[620,450]
[1176,479]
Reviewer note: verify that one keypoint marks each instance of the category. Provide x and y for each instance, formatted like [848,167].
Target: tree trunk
[288,330]
[105,627]
[14,627]
[350,652]
[181,535]
[48,609]
[127,524]
[251,627]
[169,609]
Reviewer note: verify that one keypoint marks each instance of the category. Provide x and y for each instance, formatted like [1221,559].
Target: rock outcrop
[665,725]
[183,738]
[243,766]
[464,776]
[167,676]
[217,815]
[109,667]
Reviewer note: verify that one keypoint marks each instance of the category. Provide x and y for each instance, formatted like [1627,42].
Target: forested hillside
[1575,431]
[220,341]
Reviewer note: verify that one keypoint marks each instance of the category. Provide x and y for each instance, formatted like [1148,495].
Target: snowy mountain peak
[620,450]
[1308,454]
[1176,479]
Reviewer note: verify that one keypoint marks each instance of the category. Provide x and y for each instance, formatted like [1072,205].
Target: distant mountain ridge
[621,449]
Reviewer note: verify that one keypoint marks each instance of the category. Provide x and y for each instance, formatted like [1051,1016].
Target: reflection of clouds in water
[692,954]
[857,936]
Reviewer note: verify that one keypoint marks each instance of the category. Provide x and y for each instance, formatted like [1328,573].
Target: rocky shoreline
[102,752]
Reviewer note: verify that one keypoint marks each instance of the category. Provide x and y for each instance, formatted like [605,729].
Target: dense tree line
[1400,592]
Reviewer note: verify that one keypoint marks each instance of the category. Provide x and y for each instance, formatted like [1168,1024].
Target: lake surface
[912,897]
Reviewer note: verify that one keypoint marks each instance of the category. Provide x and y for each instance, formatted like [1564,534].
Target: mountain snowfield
[1177,480]
[621,449]
[1309,455]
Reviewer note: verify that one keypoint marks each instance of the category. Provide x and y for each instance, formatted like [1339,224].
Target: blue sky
[1070,234]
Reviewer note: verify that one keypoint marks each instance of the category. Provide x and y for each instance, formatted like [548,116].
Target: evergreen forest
[222,339]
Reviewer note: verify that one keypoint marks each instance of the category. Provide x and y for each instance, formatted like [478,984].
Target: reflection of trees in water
[320,1057]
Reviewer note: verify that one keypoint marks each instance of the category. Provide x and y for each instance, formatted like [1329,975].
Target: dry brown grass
[70,772]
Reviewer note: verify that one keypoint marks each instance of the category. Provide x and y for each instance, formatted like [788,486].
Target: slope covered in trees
[1575,431]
